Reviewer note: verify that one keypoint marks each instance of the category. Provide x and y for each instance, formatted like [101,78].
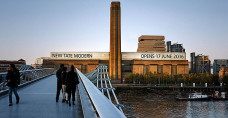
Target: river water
[162,104]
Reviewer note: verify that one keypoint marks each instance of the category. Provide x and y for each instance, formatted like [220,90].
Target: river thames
[162,104]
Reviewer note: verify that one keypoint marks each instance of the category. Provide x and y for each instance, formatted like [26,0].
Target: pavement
[38,101]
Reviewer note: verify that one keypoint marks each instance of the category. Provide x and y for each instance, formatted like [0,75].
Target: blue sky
[33,28]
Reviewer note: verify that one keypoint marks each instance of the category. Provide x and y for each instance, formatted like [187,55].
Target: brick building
[150,57]
[151,43]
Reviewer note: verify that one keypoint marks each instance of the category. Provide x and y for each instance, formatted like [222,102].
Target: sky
[30,29]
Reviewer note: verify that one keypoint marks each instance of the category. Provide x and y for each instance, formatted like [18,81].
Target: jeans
[14,90]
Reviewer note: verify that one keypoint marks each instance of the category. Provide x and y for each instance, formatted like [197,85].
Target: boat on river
[195,96]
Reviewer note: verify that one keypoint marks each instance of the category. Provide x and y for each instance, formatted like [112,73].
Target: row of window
[159,69]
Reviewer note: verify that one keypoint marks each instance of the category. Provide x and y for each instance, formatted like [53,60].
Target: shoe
[66,101]
[69,104]
[73,103]
[10,104]
[63,100]
[57,100]
[17,102]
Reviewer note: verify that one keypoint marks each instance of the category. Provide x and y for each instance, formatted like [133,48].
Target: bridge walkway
[38,101]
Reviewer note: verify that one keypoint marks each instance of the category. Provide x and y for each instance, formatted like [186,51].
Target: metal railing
[96,104]
[105,86]
[26,76]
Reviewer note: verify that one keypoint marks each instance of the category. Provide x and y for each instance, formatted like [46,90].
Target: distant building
[38,63]
[5,64]
[174,47]
[218,64]
[151,43]
[222,73]
[200,64]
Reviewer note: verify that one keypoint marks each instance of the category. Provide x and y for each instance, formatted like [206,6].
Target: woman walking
[13,80]
[71,82]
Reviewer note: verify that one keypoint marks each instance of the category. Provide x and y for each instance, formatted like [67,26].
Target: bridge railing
[99,104]
[26,76]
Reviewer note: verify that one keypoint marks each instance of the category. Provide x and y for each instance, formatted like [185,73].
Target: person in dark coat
[64,76]
[13,80]
[71,82]
[59,81]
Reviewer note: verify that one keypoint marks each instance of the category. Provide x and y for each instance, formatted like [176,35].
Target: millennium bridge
[95,96]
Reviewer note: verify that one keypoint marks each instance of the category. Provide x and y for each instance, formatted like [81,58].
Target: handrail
[103,106]
[26,76]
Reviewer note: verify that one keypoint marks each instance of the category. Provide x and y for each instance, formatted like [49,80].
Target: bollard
[216,94]
[194,84]
[181,84]
[205,84]
[223,95]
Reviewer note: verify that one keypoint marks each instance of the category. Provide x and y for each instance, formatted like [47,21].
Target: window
[174,69]
[160,69]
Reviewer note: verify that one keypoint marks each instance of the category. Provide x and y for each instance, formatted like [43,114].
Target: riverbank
[173,88]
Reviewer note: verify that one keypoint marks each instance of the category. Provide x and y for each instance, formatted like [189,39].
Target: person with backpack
[71,82]
[13,80]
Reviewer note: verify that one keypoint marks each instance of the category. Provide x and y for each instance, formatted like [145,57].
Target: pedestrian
[13,80]
[71,82]
[64,76]
[59,81]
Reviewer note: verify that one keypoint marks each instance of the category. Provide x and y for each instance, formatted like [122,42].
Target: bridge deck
[38,101]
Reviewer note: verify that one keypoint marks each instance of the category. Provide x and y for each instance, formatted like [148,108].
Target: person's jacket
[59,77]
[64,77]
[72,79]
[14,77]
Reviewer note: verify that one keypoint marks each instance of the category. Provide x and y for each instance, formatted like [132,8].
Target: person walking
[71,82]
[13,80]
[64,76]
[59,81]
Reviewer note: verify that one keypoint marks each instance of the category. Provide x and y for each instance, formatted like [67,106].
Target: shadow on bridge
[38,101]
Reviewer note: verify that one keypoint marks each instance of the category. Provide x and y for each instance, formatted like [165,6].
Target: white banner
[125,55]
[80,55]
[154,56]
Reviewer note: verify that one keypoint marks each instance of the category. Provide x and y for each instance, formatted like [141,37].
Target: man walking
[13,80]
[59,81]
[71,82]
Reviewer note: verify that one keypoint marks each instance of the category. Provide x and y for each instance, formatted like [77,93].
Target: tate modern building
[151,55]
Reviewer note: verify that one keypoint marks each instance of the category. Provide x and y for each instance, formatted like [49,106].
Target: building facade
[200,64]
[176,47]
[151,43]
[132,62]
[222,73]
[218,64]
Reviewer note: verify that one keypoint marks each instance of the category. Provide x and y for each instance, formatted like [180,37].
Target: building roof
[151,37]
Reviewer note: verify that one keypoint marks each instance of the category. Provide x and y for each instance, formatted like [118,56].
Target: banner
[125,55]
